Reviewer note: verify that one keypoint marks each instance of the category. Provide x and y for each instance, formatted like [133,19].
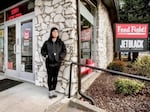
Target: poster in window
[26,37]
[86,34]
[1,38]
[1,33]
[26,34]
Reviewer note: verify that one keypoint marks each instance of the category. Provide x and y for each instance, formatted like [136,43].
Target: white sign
[132,44]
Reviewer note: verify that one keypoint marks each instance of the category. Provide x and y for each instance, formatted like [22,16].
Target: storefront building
[16,52]
[85,27]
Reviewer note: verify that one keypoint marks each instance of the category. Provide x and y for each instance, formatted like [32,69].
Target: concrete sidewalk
[26,97]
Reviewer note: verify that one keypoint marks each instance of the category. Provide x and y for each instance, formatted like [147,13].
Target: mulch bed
[103,92]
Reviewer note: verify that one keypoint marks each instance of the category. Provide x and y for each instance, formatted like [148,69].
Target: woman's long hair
[54,28]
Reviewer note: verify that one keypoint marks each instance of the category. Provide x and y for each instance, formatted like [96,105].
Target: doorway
[19,48]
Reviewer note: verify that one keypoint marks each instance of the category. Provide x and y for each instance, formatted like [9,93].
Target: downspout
[78,34]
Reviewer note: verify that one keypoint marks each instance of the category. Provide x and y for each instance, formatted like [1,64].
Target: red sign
[14,11]
[26,34]
[14,16]
[10,65]
[131,30]
[19,10]
[86,34]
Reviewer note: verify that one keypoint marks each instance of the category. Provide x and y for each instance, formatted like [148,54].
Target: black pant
[52,72]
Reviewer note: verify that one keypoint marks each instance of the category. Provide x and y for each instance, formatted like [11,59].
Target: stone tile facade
[62,14]
[103,54]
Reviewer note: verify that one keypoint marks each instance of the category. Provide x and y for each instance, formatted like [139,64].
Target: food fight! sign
[131,37]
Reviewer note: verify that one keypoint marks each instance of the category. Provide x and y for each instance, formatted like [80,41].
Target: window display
[12,47]
[86,36]
[1,49]
[87,21]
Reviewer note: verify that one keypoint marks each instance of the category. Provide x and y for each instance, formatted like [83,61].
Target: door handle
[14,48]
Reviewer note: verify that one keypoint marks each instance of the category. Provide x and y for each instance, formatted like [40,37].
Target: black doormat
[8,83]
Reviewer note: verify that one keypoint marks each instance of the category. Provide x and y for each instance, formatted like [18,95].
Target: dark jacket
[56,51]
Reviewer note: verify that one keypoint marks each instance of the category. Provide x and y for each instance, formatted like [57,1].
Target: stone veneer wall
[103,54]
[61,14]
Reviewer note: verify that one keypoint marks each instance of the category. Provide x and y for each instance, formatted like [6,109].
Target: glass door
[26,61]
[12,42]
[19,37]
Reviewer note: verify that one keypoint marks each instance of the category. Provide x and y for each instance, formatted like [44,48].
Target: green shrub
[143,66]
[127,86]
[117,65]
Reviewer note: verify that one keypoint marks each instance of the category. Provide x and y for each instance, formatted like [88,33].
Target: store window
[1,49]
[2,17]
[11,47]
[86,37]
[89,6]
[87,22]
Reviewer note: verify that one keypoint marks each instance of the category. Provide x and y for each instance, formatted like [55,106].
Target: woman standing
[54,50]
